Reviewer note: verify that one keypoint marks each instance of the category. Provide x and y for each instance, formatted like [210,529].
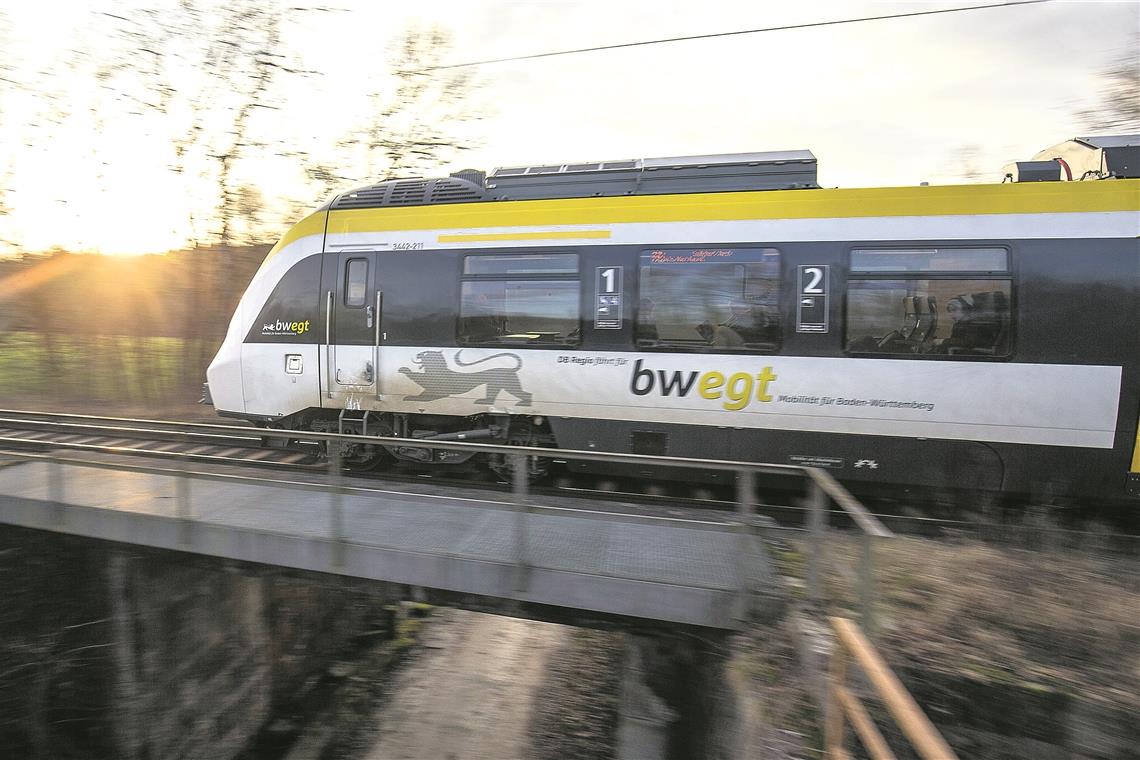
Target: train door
[353,307]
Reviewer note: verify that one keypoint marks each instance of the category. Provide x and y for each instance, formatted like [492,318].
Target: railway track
[143,438]
[197,444]
[200,445]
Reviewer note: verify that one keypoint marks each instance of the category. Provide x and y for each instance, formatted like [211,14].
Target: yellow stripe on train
[959,200]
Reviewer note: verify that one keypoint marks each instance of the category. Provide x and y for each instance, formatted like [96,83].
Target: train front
[267,365]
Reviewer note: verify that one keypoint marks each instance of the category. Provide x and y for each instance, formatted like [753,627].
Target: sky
[941,99]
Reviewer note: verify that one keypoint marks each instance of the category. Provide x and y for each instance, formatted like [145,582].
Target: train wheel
[366,458]
[368,464]
[537,468]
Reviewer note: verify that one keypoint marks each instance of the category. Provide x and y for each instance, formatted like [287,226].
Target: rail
[822,488]
[843,705]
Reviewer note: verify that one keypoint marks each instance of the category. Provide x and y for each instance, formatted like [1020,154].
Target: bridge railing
[844,706]
[822,489]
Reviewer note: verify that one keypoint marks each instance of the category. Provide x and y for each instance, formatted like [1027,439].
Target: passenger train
[721,306]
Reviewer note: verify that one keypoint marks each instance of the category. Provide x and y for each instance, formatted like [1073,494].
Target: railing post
[745,490]
[519,487]
[833,720]
[817,516]
[908,716]
[182,493]
[867,584]
[56,491]
[336,505]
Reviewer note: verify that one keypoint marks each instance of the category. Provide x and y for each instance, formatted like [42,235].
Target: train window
[545,263]
[930,260]
[530,299]
[355,282]
[713,299]
[953,317]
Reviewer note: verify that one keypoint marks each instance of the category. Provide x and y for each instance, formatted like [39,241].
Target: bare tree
[243,58]
[1118,106]
[7,84]
[967,157]
[235,50]
[412,124]
[209,72]
[248,209]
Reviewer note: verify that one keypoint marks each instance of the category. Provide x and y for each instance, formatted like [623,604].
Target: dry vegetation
[1024,646]
[575,710]
[780,717]
[1066,619]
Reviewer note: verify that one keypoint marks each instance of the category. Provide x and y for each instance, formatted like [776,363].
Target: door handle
[328,345]
[379,311]
[376,340]
[370,315]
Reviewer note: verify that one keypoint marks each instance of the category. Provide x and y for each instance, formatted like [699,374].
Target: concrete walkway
[673,571]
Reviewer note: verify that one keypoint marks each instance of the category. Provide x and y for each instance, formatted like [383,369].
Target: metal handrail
[864,519]
[466,446]
[843,705]
[823,489]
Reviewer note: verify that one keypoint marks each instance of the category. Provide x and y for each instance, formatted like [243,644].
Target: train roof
[1110,141]
[782,170]
[1099,157]
[1091,157]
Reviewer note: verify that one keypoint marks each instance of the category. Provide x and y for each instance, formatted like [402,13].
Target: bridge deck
[619,564]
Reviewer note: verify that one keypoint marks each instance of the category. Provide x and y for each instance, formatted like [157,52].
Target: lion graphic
[440,381]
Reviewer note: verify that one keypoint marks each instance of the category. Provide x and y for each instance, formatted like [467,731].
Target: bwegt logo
[281,327]
[736,389]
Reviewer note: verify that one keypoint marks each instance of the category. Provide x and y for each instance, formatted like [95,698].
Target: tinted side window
[712,299]
[291,313]
[355,282]
[930,260]
[904,303]
[522,264]
[529,299]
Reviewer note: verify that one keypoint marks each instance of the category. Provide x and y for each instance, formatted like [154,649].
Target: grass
[418,609]
[410,624]
[37,367]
